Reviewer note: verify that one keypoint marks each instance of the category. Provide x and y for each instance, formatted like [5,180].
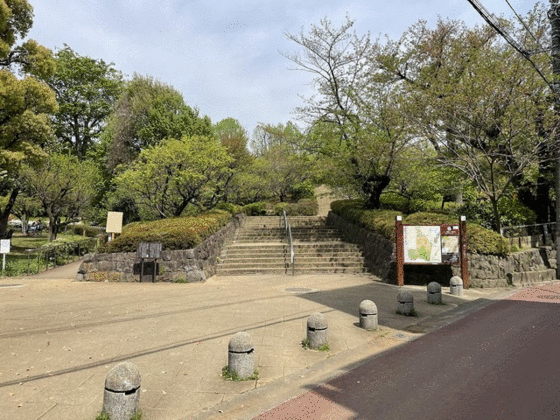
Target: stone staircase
[261,247]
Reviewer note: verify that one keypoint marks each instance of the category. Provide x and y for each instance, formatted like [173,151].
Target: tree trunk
[496,223]
[373,187]
[6,213]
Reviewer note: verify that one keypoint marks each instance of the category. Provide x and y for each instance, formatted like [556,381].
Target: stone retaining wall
[187,265]
[484,270]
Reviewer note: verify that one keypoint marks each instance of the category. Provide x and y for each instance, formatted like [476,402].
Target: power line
[492,21]
[526,28]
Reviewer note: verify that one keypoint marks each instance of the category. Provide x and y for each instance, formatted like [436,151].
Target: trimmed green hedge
[479,239]
[176,233]
[255,209]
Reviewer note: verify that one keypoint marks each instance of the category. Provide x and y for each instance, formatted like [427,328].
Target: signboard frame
[448,230]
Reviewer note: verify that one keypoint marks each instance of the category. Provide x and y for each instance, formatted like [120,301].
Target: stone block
[317,330]
[241,355]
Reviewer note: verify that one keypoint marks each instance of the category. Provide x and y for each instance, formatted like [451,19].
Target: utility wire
[491,20]
[526,28]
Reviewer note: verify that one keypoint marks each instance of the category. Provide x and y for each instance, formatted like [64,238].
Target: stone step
[300,259]
[261,246]
[526,278]
[288,270]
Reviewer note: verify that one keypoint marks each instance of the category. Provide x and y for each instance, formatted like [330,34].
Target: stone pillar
[368,315]
[121,399]
[405,303]
[241,355]
[317,330]
[434,293]
[456,286]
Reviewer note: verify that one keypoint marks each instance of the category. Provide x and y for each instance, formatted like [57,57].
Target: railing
[528,230]
[36,260]
[290,241]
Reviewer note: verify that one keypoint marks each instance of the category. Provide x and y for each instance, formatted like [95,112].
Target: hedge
[175,233]
[479,240]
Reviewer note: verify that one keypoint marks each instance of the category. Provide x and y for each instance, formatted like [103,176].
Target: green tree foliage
[65,187]
[280,167]
[234,138]
[25,208]
[475,99]
[175,173]
[148,112]
[86,91]
[24,101]
[356,127]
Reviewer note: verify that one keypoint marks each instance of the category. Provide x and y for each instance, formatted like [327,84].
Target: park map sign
[434,244]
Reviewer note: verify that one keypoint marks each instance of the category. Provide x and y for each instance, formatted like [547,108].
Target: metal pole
[463,251]
[399,250]
[554,16]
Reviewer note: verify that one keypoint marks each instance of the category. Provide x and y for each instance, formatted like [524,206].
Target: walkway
[59,338]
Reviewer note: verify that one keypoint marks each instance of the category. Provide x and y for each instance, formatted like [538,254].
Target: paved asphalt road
[501,362]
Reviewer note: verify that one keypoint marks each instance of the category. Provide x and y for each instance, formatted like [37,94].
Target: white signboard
[114,222]
[4,246]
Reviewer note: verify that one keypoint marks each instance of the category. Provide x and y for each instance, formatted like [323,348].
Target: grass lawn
[28,254]
[21,242]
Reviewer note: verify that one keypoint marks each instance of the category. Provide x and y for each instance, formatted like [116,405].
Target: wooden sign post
[431,244]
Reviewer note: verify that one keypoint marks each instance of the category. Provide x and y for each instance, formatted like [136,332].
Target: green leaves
[147,113]
[167,177]
[86,90]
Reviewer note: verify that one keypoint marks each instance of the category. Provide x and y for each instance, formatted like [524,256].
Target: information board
[431,244]
[4,246]
[422,244]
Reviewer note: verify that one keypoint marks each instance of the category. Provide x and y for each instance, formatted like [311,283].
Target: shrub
[304,207]
[479,239]
[380,221]
[255,209]
[90,231]
[304,189]
[230,208]
[175,233]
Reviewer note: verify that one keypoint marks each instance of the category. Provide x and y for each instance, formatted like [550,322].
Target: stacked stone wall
[484,270]
[188,265]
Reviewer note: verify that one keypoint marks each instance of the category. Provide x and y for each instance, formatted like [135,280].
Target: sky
[225,56]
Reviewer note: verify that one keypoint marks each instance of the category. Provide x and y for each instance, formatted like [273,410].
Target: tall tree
[475,99]
[234,138]
[65,187]
[281,166]
[147,112]
[25,103]
[353,118]
[86,90]
[175,173]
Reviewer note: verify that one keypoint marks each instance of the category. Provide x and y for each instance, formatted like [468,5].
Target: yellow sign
[114,222]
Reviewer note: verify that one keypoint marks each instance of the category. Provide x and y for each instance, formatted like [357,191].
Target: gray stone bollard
[405,303]
[121,399]
[317,330]
[368,315]
[241,355]
[434,293]
[456,286]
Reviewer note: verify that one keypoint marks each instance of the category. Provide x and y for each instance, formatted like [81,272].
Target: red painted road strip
[502,362]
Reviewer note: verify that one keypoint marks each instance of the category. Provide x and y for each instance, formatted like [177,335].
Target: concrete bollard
[405,303]
[121,399]
[456,286]
[368,315]
[241,355]
[434,293]
[317,330]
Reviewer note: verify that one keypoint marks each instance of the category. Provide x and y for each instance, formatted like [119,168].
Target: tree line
[443,114]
